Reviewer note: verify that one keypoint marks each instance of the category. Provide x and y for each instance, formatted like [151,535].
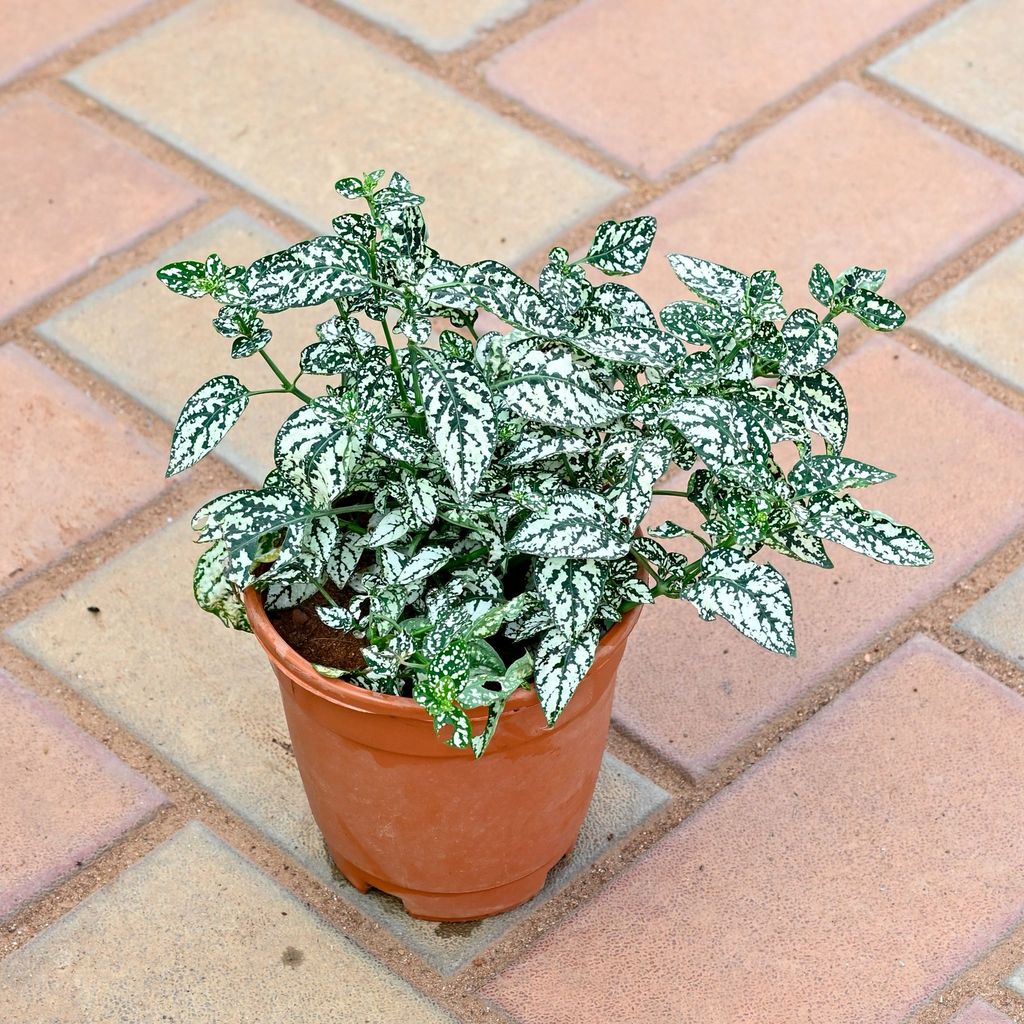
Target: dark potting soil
[304,631]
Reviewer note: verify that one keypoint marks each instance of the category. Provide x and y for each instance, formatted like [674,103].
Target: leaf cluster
[477,498]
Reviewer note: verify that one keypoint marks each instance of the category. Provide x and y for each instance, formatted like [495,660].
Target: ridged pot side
[454,837]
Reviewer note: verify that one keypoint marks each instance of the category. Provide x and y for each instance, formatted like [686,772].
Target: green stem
[269,391]
[327,597]
[470,556]
[285,382]
[674,494]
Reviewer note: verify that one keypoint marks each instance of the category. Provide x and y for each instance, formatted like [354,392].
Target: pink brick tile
[845,878]
[649,81]
[70,467]
[34,31]
[695,689]
[845,179]
[979,1012]
[65,796]
[72,194]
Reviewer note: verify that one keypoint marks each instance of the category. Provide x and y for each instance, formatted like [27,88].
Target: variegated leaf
[816,473]
[572,589]
[878,313]
[206,417]
[537,444]
[551,390]
[801,545]
[727,435]
[214,593]
[621,247]
[841,519]
[560,665]
[754,598]
[422,496]
[390,528]
[403,570]
[505,294]
[343,344]
[698,323]
[612,304]
[572,524]
[764,296]
[565,287]
[460,418]
[635,462]
[821,285]
[308,273]
[810,343]
[186,277]
[340,618]
[860,277]
[820,402]
[632,344]
[710,281]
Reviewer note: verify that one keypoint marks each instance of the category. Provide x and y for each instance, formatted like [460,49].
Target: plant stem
[269,391]
[470,556]
[674,494]
[285,382]
[327,597]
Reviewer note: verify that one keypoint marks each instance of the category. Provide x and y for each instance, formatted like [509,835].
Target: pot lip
[338,691]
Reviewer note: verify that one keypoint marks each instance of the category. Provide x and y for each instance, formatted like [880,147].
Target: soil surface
[304,631]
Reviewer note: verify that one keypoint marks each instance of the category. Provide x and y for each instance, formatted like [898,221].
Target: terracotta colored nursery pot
[453,837]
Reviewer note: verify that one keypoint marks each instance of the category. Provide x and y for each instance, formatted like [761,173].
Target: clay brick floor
[836,840]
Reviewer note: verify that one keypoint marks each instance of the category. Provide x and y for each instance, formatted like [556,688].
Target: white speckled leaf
[612,304]
[820,402]
[726,435]
[571,589]
[697,322]
[841,519]
[460,418]
[560,664]
[817,473]
[505,294]
[204,420]
[390,528]
[754,598]
[631,344]
[403,570]
[636,463]
[878,313]
[764,296]
[710,281]
[621,247]
[821,285]
[214,593]
[810,343]
[308,273]
[538,444]
[573,524]
[549,389]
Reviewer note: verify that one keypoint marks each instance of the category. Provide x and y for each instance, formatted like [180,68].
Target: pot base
[454,906]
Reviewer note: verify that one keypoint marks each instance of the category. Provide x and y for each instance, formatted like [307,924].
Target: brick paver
[287,121]
[669,75]
[438,26]
[979,1012]
[55,438]
[193,932]
[844,878]
[998,618]
[808,191]
[977,318]
[232,738]
[695,689]
[34,31]
[971,65]
[1015,982]
[182,349]
[65,796]
[58,170]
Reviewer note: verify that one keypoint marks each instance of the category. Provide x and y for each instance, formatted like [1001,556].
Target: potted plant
[450,539]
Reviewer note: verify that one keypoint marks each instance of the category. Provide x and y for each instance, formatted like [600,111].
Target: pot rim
[358,698]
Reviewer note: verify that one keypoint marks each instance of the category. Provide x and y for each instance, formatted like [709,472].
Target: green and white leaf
[810,343]
[560,665]
[755,598]
[819,401]
[876,312]
[821,286]
[551,390]
[573,524]
[710,281]
[621,247]
[204,420]
[460,418]
[308,273]
[816,473]
[214,593]
[633,344]
[571,589]
[841,519]
[636,462]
